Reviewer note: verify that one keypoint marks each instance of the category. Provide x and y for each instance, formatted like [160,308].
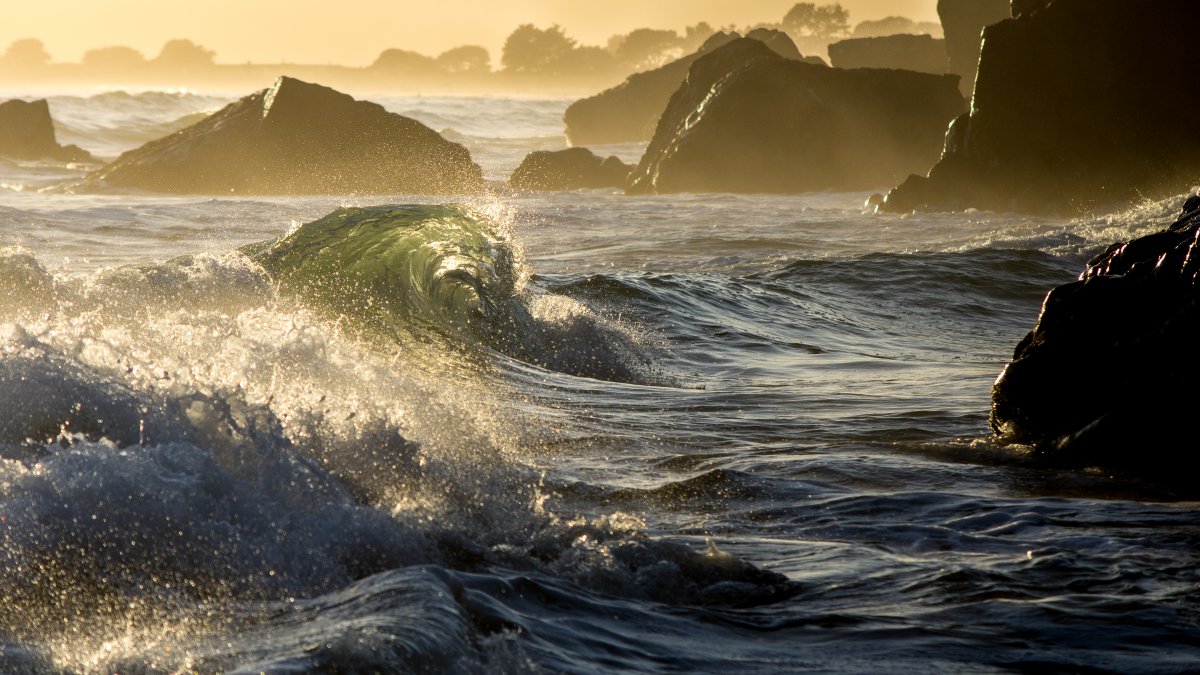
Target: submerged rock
[296,138]
[629,111]
[569,169]
[1107,376]
[27,132]
[921,53]
[748,120]
[1079,106]
[963,22]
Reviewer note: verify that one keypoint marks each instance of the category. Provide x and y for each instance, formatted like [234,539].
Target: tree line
[529,51]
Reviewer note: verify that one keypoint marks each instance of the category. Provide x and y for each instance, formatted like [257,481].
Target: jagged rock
[1064,120]
[748,120]
[963,22]
[1107,376]
[629,111]
[921,53]
[569,169]
[777,40]
[27,132]
[296,138]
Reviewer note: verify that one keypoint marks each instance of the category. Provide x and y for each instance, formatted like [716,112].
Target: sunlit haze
[354,32]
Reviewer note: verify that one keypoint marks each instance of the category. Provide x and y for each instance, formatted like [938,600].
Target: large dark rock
[1079,106]
[963,22]
[921,53]
[1108,375]
[27,132]
[296,138]
[629,111]
[569,169]
[748,120]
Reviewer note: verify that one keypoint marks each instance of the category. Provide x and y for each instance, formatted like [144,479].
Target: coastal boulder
[963,22]
[27,132]
[569,169]
[1107,377]
[921,53]
[748,120]
[296,138]
[1079,106]
[629,111]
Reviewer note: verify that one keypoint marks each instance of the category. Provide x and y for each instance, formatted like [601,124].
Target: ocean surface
[562,432]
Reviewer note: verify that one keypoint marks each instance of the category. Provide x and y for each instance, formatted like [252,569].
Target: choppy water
[697,433]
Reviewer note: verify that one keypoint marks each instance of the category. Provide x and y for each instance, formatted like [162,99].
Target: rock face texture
[748,120]
[27,132]
[629,112]
[569,169]
[296,138]
[1079,106]
[921,53]
[962,23]
[1108,377]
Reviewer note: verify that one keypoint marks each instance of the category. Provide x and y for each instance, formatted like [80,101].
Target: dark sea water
[581,432]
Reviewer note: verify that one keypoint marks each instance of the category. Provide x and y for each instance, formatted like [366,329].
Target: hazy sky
[354,32]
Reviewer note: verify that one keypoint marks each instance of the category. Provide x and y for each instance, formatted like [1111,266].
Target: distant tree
[694,36]
[26,53]
[645,48]
[184,54]
[404,61]
[114,58]
[933,28]
[465,59]
[809,19]
[894,25]
[530,49]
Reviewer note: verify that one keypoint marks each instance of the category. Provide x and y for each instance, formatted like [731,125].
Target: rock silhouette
[1078,106]
[569,169]
[630,111]
[1106,377]
[963,22]
[27,132]
[921,53]
[748,120]
[296,138]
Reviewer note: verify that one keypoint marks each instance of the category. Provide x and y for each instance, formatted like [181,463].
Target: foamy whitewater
[575,432]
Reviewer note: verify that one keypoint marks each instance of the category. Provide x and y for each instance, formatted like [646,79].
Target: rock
[921,53]
[296,138]
[27,132]
[629,112]
[963,22]
[1107,377]
[777,40]
[569,169]
[1065,120]
[748,120]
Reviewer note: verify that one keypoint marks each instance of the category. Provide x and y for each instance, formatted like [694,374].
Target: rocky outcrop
[963,22]
[570,169]
[296,138]
[775,40]
[748,120]
[921,53]
[629,112]
[27,132]
[1107,377]
[1065,119]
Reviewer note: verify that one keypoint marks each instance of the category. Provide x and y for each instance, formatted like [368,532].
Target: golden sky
[354,32]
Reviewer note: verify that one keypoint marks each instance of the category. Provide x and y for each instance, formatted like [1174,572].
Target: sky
[354,32]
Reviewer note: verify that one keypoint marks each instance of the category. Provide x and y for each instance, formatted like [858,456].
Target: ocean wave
[182,445]
[447,268]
